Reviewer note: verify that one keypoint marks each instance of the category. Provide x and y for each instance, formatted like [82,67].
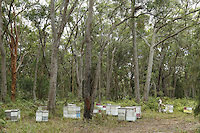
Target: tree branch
[21,61]
[144,39]
[173,35]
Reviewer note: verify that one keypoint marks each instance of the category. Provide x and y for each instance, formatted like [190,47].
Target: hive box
[138,111]
[169,108]
[112,110]
[127,114]
[42,115]
[12,115]
[71,111]
[188,110]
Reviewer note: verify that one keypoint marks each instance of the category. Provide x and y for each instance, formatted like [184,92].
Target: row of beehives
[169,109]
[123,113]
[73,111]
[130,113]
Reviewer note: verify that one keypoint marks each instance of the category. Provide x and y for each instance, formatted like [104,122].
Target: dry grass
[150,122]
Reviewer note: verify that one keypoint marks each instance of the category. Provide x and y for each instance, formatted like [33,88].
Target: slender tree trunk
[109,73]
[35,76]
[3,60]
[99,99]
[79,76]
[136,72]
[193,91]
[88,74]
[149,69]
[160,68]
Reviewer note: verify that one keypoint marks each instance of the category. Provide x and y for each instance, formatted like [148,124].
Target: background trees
[62,54]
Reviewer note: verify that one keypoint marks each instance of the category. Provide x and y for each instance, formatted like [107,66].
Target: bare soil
[151,122]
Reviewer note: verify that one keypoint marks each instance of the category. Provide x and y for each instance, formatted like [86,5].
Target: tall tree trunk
[57,31]
[35,76]
[3,60]
[79,76]
[109,73]
[149,69]
[88,74]
[14,48]
[53,78]
[160,67]
[136,72]
[99,99]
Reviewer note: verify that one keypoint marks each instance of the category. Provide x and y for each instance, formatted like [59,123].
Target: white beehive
[96,111]
[121,114]
[42,115]
[169,108]
[72,111]
[188,110]
[112,109]
[108,109]
[131,114]
[15,115]
[39,115]
[127,114]
[45,115]
[138,111]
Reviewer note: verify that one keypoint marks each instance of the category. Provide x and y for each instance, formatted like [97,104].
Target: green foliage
[126,102]
[152,104]
[26,86]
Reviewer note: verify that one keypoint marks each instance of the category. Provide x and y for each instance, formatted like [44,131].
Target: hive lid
[7,110]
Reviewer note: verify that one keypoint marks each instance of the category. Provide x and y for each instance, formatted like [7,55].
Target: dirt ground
[155,123]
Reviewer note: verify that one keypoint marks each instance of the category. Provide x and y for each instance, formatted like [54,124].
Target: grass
[102,124]
[151,121]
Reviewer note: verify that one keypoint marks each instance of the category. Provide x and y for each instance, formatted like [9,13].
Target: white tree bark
[149,69]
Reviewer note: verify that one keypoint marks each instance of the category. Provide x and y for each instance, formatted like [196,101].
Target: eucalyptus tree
[92,75]
[164,14]
[3,59]
[87,88]
[12,24]
[13,31]
[136,69]
[57,26]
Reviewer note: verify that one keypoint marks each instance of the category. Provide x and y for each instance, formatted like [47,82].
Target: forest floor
[151,122]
